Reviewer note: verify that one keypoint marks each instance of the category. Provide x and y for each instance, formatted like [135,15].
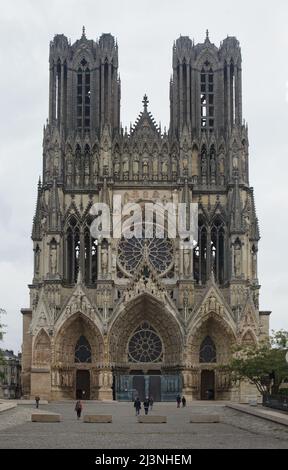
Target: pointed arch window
[72,250]
[207,352]
[218,249]
[83,96]
[200,254]
[207,97]
[90,255]
[83,351]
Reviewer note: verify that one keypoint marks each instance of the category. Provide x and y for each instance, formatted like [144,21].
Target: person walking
[37,399]
[146,405]
[178,400]
[183,401]
[151,401]
[137,406]
[78,409]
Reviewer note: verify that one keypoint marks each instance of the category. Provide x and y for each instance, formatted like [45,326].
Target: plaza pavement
[236,430]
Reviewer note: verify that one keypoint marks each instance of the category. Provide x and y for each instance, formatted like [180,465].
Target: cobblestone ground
[236,430]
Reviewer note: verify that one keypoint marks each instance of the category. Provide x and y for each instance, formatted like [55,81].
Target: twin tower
[85,89]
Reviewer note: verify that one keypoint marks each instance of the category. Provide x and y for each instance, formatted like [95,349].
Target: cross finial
[145,102]
[83,32]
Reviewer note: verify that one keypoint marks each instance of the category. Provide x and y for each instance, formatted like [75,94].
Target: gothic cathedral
[114,318]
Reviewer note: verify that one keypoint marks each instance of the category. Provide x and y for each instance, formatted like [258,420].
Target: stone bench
[204,418]
[152,419]
[97,419]
[45,418]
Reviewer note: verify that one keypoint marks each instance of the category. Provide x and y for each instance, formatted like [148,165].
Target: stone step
[204,418]
[45,418]
[97,419]
[152,419]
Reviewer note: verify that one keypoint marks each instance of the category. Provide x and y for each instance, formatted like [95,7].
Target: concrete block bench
[97,419]
[45,418]
[152,419]
[204,418]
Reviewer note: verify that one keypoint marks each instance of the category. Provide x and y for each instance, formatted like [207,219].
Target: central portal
[83,385]
[207,385]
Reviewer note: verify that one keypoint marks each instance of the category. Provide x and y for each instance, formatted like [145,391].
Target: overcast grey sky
[145,31]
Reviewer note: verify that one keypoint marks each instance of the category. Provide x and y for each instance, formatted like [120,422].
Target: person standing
[146,405]
[137,406]
[78,409]
[37,399]
[151,401]
[183,401]
[178,400]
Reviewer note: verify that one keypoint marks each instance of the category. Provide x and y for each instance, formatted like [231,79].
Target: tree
[264,364]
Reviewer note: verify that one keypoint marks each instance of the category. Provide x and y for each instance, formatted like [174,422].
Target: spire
[36,228]
[83,32]
[255,232]
[207,40]
[145,102]
[54,208]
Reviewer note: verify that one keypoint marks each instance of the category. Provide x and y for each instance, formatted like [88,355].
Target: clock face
[158,252]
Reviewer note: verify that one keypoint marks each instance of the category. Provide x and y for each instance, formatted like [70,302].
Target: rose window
[145,345]
[157,251]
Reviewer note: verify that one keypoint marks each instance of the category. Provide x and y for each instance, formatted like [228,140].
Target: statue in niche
[78,170]
[104,259]
[237,259]
[116,169]
[185,165]
[126,168]
[185,147]
[164,169]
[95,166]
[186,262]
[37,259]
[86,171]
[53,258]
[235,161]
[135,168]
[47,167]
[254,264]
[69,172]
[105,158]
[56,161]
[213,165]
[155,167]
[204,165]
[174,168]
[145,169]
[222,168]
[243,165]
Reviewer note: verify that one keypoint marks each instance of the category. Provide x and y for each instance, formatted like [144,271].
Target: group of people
[147,403]
[180,400]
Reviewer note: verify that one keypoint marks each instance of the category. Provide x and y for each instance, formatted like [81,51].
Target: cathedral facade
[112,318]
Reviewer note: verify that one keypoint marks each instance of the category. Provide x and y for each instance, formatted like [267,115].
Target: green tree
[264,364]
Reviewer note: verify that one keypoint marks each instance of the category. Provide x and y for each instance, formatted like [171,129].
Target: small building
[10,375]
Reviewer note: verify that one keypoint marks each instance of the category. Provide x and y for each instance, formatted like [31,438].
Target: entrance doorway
[83,385]
[155,387]
[207,385]
[138,386]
